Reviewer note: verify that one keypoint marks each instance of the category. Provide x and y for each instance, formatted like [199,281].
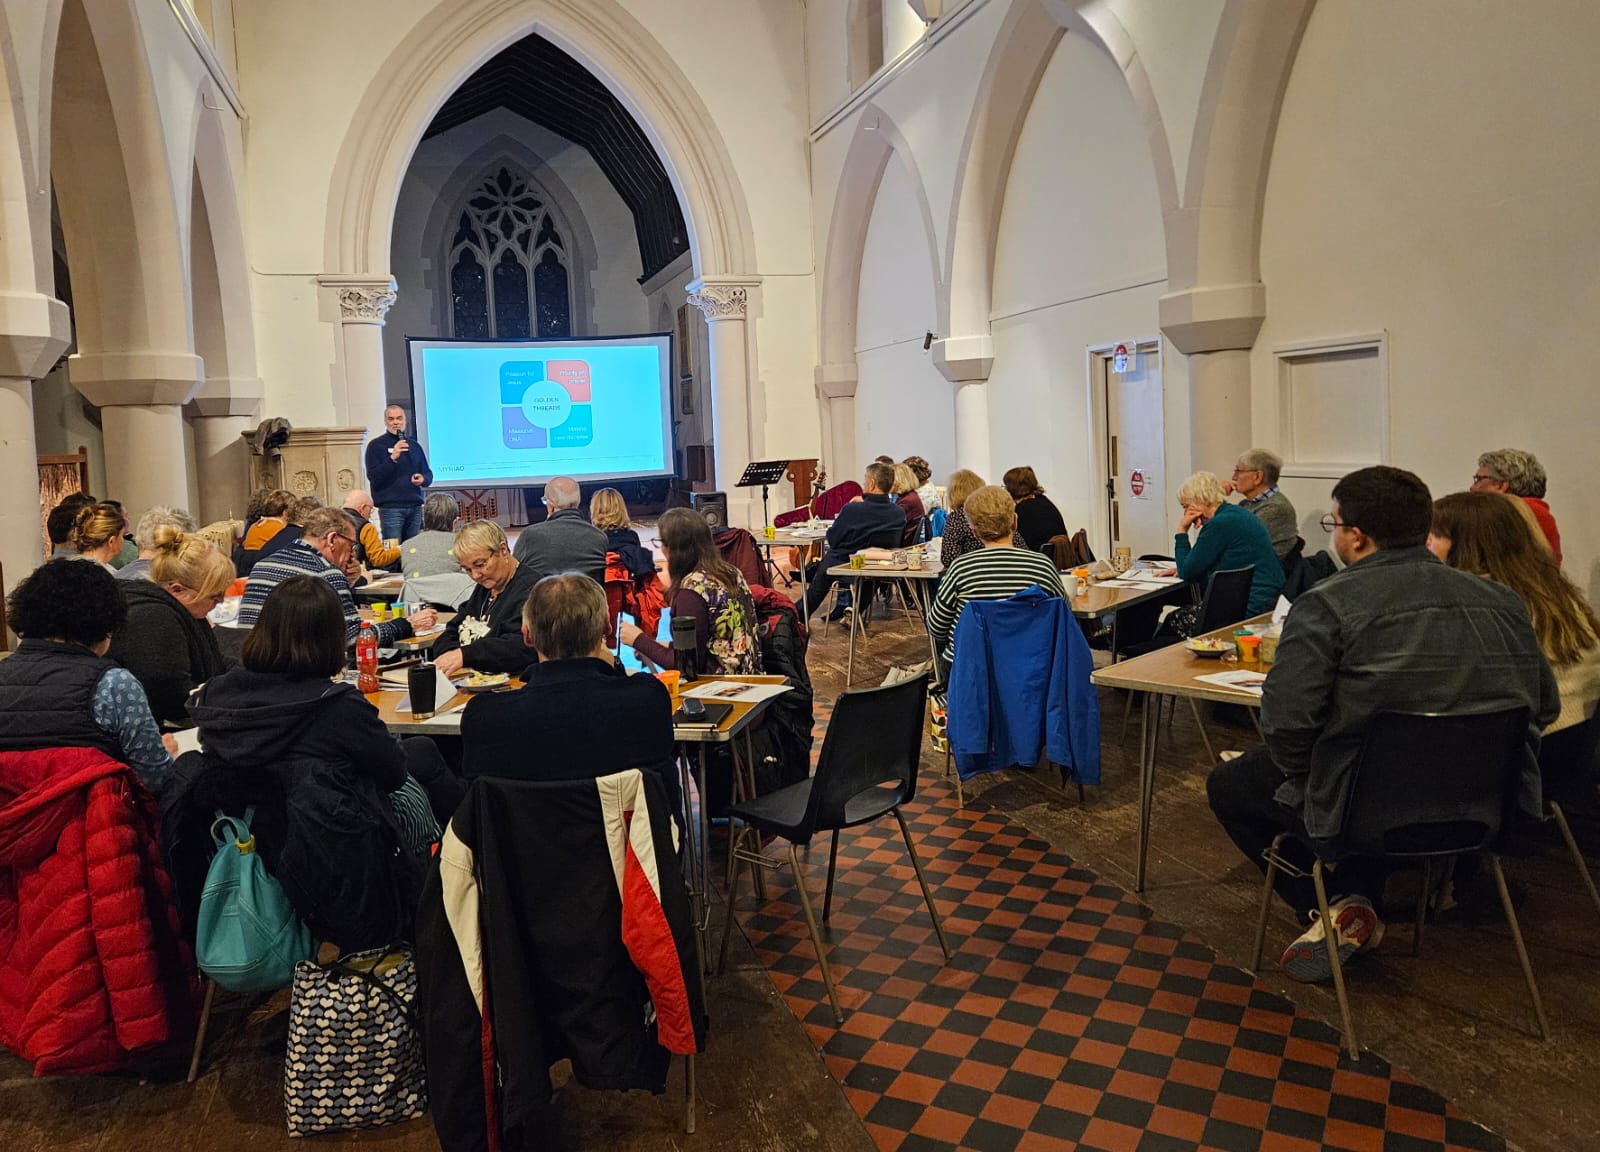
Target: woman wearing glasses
[486,635]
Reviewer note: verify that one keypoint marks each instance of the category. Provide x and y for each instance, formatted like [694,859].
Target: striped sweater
[300,559]
[996,573]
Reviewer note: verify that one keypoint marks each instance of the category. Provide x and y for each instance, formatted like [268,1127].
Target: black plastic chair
[867,769]
[1567,764]
[1427,786]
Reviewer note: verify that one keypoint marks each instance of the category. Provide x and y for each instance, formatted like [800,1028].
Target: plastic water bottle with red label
[367,658]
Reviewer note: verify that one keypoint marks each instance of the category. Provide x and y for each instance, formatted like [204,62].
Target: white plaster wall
[60,427]
[1080,262]
[903,405]
[1440,185]
[901,28]
[613,303]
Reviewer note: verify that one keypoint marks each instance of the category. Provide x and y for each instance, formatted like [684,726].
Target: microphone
[683,647]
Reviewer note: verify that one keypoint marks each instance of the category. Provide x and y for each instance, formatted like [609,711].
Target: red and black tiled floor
[1068,1018]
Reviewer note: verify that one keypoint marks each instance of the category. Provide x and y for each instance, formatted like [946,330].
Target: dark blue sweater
[390,480]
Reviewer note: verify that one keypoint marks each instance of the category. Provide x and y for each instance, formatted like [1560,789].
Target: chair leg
[688,1094]
[816,934]
[1577,856]
[200,1032]
[733,894]
[1331,938]
[1422,906]
[833,862]
[1204,735]
[1266,903]
[927,896]
[1522,949]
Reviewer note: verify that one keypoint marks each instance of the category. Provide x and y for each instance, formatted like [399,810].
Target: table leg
[923,607]
[855,619]
[1149,737]
[705,859]
[748,787]
[691,853]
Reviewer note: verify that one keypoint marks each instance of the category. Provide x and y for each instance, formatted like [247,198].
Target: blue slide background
[463,423]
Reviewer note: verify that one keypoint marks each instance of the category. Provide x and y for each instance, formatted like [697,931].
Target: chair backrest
[1435,783]
[891,538]
[1227,597]
[936,520]
[874,739]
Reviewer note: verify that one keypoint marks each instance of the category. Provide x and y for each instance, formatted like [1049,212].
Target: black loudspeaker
[713,506]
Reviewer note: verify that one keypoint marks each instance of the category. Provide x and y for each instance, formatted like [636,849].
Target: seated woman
[97,534]
[486,635]
[609,513]
[1230,537]
[958,538]
[1037,518]
[905,497]
[1495,535]
[998,570]
[59,690]
[432,552]
[927,491]
[341,821]
[711,592]
[144,537]
[166,640]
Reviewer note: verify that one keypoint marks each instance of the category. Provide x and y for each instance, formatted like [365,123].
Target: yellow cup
[858,561]
[380,612]
[771,532]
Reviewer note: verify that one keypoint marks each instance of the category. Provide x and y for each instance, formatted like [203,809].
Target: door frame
[1097,359]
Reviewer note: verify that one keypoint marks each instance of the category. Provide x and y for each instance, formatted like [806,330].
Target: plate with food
[1209,648]
[482,681]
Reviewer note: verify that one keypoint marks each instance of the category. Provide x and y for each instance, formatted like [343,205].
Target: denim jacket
[1396,631]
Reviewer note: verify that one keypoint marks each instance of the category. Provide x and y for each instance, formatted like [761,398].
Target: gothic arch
[448,46]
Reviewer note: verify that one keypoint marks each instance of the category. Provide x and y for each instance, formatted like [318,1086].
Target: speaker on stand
[713,506]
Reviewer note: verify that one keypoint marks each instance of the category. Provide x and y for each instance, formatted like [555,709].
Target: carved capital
[720,301]
[364,300]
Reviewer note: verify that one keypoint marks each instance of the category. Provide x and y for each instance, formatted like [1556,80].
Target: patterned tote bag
[354,1058]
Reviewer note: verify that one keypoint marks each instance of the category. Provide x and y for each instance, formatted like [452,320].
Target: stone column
[836,389]
[1216,328]
[363,303]
[223,409]
[725,302]
[140,395]
[34,331]
[966,361]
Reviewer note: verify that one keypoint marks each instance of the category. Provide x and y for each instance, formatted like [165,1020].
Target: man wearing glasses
[1395,631]
[1255,479]
[326,550]
[565,541]
[1519,473]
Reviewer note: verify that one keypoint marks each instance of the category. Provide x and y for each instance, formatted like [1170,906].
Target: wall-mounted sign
[1125,357]
[1136,481]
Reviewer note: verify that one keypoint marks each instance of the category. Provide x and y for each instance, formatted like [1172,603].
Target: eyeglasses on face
[1237,470]
[1329,524]
[1481,477]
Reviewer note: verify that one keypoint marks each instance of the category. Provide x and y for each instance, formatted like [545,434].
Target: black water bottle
[683,648]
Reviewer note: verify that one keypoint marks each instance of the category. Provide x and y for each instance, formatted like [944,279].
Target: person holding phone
[397,471]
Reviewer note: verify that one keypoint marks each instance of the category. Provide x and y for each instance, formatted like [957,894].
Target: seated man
[1519,473]
[565,542]
[997,571]
[870,521]
[580,715]
[486,634]
[1255,479]
[326,550]
[370,549]
[1395,631]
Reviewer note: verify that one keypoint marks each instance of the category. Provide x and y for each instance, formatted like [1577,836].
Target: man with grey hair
[144,535]
[1519,473]
[1255,479]
[398,471]
[565,541]
[592,718]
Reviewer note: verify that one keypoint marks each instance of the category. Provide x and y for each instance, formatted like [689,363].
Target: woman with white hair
[1229,538]
[144,535]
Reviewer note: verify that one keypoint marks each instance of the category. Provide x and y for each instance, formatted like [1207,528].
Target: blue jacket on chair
[1020,685]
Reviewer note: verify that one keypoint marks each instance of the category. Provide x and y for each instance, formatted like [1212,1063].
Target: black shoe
[838,613]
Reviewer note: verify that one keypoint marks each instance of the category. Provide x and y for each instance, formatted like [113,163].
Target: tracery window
[509,275]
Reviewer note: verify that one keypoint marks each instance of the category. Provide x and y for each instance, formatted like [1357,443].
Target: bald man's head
[562,493]
[359,501]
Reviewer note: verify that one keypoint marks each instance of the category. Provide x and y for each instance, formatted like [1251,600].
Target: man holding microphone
[397,472]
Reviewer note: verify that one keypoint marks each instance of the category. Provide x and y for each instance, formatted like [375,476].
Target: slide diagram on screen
[546,404]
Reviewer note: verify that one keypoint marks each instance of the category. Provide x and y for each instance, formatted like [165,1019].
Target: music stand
[763,472]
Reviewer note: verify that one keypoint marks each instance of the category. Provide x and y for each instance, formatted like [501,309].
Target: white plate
[498,680]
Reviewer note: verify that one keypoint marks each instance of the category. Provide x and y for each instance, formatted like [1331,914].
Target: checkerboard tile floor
[1068,1019]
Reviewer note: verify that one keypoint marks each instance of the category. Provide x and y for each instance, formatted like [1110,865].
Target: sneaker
[1359,928]
[840,611]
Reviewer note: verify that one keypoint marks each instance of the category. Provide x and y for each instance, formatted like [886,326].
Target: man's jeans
[400,523]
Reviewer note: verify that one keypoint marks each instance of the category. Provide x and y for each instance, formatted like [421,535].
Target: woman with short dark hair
[708,590]
[59,690]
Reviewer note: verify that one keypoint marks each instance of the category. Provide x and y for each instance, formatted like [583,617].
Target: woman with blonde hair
[1229,537]
[959,538]
[166,640]
[486,635]
[97,533]
[904,494]
[608,511]
[1494,535]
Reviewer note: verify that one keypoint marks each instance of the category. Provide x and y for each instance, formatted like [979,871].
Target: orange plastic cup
[669,677]
[1249,648]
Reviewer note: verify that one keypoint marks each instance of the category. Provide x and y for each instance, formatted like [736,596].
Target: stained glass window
[506,226]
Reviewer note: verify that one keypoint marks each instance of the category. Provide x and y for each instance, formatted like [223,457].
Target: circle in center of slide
[546,405]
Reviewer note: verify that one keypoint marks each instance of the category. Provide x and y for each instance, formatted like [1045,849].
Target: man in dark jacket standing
[397,472]
[1395,631]
[871,521]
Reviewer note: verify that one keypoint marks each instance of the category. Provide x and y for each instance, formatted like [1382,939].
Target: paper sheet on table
[723,690]
[188,740]
[1141,585]
[442,691]
[1280,612]
[1239,681]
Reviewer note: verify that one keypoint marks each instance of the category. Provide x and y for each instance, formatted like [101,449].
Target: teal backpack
[248,938]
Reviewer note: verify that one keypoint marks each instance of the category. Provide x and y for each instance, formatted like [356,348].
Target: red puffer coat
[93,971]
